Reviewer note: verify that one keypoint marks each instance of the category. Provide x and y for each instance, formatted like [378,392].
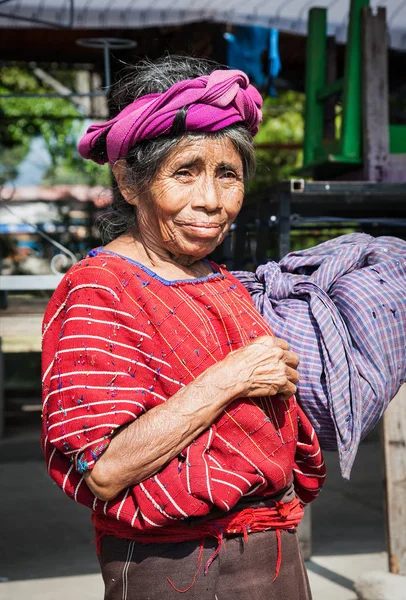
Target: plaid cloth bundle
[342,307]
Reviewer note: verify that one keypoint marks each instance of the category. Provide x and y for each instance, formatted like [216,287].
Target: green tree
[57,120]
[282,124]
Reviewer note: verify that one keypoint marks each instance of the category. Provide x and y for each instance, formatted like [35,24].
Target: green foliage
[54,119]
[29,112]
[10,157]
[58,122]
[68,167]
[282,123]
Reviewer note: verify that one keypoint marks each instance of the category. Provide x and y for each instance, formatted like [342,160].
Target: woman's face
[193,200]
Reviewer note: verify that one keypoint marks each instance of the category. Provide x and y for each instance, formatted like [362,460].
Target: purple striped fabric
[342,307]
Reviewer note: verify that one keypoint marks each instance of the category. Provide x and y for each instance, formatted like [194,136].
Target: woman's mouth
[203,229]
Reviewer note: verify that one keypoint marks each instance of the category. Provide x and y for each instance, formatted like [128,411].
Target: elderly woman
[169,406]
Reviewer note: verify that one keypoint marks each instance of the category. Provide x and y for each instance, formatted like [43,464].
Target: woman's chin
[197,248]
[188,255]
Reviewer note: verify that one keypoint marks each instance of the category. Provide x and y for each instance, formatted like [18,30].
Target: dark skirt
[241,571]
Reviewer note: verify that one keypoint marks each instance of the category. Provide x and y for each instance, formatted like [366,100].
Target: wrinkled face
[193,200]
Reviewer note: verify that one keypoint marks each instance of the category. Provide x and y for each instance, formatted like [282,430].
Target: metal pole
[107,72]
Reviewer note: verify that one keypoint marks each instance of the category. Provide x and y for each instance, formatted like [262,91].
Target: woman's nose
[207,195]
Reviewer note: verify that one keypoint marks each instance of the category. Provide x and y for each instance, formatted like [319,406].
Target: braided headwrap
[213,102]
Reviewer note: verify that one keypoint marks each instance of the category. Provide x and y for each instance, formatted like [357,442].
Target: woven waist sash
[281,516]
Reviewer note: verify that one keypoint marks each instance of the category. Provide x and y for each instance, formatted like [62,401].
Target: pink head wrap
[213,101]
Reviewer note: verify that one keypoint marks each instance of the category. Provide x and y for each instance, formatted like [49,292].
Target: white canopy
[286,15]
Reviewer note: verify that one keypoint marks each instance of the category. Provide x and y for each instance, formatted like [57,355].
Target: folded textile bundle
[342,307]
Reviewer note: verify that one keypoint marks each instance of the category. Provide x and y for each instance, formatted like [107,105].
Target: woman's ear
[127,191]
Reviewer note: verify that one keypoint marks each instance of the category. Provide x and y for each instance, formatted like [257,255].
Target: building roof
[286,15]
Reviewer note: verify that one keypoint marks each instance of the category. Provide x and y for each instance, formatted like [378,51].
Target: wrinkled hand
[264,368]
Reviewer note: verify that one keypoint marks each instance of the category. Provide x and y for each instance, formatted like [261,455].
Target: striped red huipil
[119,340]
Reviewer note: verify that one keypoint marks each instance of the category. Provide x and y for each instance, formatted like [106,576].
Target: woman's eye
[229,174]
[183,173]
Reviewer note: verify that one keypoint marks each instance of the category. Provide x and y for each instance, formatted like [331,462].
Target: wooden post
[99,105]
[396,168]
[305,534]
[394,442]
[375,95]
[82,85]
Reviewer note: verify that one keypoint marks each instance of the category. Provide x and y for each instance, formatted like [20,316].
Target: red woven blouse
[119,340]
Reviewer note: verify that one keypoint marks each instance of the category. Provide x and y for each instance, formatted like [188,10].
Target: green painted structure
[344,152]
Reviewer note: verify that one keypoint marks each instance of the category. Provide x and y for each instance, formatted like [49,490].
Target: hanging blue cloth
[255,50]
[275,64]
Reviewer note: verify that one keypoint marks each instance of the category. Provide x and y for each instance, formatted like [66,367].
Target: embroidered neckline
[169,282]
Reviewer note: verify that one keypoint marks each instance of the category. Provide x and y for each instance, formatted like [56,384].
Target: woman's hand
[263,368]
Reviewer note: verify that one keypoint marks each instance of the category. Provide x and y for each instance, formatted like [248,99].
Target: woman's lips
[203,229]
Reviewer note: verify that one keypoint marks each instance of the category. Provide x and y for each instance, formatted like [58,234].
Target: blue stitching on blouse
[214,275]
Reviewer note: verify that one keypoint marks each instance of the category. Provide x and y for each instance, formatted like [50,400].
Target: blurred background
[331,154]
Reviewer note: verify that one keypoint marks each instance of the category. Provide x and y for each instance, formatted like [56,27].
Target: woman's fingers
[292,375]
[280,342]
[277,345]
[291,359]
[289,389]
[271,342]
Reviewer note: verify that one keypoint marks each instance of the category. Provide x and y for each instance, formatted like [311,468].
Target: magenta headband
[213,102]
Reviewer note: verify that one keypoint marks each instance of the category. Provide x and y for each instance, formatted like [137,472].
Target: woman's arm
[138,451]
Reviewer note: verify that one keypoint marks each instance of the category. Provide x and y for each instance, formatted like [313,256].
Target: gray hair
[146,158]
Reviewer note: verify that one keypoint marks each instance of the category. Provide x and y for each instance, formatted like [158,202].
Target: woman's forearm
[264,367]
[154,439]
